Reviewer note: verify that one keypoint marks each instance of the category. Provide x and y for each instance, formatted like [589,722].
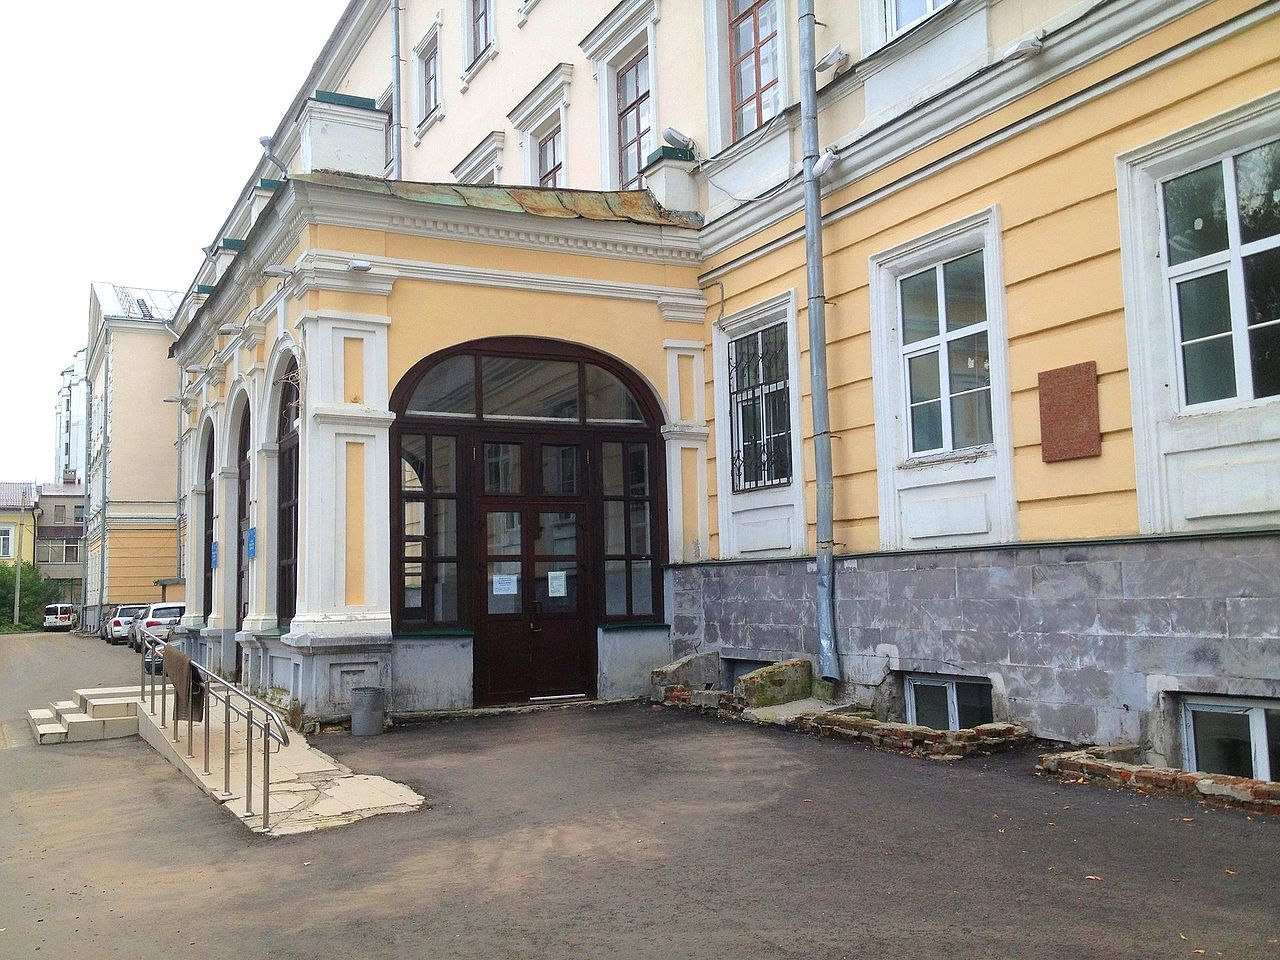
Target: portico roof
[628,206]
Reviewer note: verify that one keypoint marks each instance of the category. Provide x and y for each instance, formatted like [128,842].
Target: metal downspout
[397,158]
[177,492]
[84,533]
[106,449]
[828,658]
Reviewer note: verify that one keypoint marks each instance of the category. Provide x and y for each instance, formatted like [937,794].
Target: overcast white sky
[132,126]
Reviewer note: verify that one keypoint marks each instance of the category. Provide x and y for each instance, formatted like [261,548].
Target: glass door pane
[1223,744]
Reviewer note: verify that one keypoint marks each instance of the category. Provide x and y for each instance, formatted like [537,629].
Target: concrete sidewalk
[309,790]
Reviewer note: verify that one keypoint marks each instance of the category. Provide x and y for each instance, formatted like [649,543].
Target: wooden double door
[534,602]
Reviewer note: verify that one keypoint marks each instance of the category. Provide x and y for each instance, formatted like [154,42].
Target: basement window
[946,704]
[1237,737]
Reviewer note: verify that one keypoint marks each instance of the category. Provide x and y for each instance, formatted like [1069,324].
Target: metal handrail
[219,688]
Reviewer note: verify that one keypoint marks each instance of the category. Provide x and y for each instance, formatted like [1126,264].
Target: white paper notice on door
[557,583]
[506,585]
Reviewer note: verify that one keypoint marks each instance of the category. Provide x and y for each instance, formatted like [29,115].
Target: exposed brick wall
[1260,796]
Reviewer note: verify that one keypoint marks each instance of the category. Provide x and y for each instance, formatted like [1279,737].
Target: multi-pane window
[629,568]
[551,158]
[1240,738]
[287,491]
[634,121]
[58,551]
[945,704]
[903,13]
[481,27]
[943,322]
[79,513]
[1222,241]
[430,67]
[760,408]
[754,55]
[6,542]
[429,527]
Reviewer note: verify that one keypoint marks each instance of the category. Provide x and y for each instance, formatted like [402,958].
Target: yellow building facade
[477,437]
[17,523]
[130,535]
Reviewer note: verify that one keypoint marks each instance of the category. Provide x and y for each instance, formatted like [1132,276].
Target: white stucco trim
[1195,469]
[428,45]
[619,37]
[484,159]
[541,110]
[961,497]
[768,522]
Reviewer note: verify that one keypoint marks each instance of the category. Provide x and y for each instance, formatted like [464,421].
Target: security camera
[836,57]
[824,163]
[278,270]
[359,266]
[677,139]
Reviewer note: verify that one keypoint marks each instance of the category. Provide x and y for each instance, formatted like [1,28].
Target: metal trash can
[368,711]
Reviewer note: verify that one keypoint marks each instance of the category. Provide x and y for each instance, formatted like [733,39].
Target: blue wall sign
[213,555]
[251,543]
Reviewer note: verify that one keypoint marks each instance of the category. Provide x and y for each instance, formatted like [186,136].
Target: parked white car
[156,621]
[59,616]
[116,628]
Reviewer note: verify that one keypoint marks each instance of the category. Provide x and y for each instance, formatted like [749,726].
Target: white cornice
[352,415]
[485,157]
[673,302]
[619,26]
[551,91]
[1069,46]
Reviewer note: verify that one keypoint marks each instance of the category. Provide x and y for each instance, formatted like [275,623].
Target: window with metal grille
[753,63]
[760,409]
[634,121]
[551,158]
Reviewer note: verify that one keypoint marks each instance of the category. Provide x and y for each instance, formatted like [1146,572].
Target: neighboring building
[17,522]
[69,417]
[60,539]
[486,445]
[130,534]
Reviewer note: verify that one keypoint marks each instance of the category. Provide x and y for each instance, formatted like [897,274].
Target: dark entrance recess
[287,498]
[528,507]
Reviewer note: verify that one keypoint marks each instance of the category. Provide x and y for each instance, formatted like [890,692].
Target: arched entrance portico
[528,507]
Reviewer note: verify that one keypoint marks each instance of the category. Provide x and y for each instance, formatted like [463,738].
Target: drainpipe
[397,158]
[102,459]
[177,491]
[84,532]
[17,567]
[828,659]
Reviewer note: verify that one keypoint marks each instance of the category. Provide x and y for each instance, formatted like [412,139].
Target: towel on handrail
[177,667]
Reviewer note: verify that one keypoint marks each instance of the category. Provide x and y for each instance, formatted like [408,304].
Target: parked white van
[59,616]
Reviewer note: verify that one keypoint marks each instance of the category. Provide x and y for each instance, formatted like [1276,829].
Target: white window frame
[1232,259]
[1253,708]
[523,8]
[953,706]
[614,42]
[485,160]
[6,541]
[1196,464]
[543,109]
[471,63]
[384,104]
[719,85]
[891,15]
[762,391]
[783,502]
[426,48]
[988,467]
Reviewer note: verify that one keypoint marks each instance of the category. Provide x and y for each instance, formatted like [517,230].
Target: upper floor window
[481,27]
[1222,243]
[760,408]
[429,64]
[754,55]
[551,158]
[946,357]
[79,513]
[60,513]
[904,13]
[6,543]
[634,120]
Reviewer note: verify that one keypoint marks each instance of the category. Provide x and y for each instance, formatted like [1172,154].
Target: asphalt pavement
[621,831]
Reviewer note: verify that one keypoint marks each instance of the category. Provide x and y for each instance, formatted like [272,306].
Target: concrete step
[107,708]
[64,708]
[102,693]
[45,727]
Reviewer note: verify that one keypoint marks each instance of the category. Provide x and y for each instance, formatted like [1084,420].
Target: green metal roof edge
[268,184]
[344,100]
[231,243]
[204,289]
